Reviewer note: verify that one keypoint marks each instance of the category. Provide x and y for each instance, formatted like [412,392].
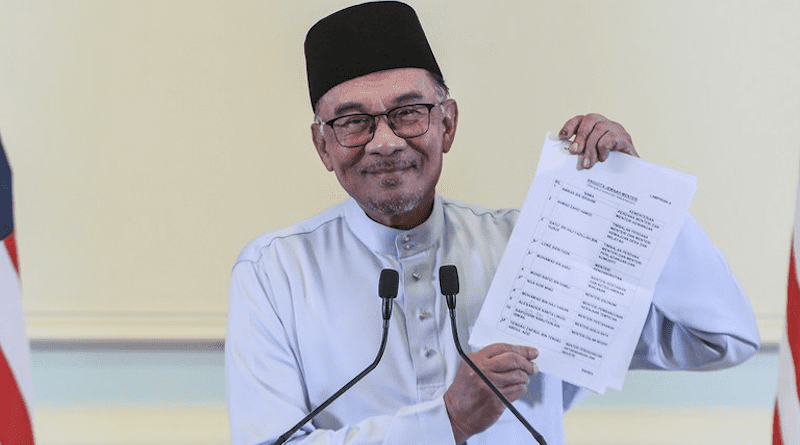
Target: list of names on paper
[574,283]
[578,274]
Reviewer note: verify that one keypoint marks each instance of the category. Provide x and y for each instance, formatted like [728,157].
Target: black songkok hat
[364,39]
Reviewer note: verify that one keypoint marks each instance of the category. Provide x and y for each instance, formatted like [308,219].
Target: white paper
[577,277]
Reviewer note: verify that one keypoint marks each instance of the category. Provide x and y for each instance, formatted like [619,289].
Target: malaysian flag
[15,368]
[786,423]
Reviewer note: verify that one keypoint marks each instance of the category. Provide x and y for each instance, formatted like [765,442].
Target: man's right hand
[471,405]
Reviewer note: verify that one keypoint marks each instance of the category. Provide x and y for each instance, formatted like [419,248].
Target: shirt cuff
[427,421]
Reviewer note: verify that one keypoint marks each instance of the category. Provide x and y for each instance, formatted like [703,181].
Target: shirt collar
[395,242]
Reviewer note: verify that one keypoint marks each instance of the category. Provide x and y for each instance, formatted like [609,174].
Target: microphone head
[448,279]
[387,286]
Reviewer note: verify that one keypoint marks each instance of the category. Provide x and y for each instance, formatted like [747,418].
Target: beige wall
[151,140]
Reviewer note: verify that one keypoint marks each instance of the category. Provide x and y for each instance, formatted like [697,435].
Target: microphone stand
[387,289]
[451,280]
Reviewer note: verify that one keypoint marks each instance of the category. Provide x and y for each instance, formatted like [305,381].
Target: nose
[384,141]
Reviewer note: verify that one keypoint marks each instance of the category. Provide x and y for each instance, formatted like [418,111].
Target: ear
[449,122]
[318,137]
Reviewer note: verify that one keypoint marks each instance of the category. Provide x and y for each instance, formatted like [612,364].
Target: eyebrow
[405,98]
[347,107]
[357,107]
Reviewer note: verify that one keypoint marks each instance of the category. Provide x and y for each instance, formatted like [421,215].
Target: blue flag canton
[6,200]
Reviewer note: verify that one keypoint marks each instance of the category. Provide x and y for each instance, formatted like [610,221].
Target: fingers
[514,392]
[605,144]
[616,141]
[502,348]
[509,362]
[581,127]
[507,365]
[595,137]
[512,384]
[471,405]
[502,357]
[569,129]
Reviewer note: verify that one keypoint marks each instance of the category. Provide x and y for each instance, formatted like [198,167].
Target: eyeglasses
[407,121]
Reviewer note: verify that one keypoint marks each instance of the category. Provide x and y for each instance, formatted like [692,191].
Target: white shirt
[305,318]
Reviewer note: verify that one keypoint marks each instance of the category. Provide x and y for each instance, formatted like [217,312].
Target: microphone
[387,290]
[448,282]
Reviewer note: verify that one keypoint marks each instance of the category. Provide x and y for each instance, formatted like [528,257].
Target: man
[304,317]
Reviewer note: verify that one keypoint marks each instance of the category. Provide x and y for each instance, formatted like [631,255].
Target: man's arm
[700,318]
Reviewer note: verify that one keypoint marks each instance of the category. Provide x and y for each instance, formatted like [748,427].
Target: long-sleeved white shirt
[305,317]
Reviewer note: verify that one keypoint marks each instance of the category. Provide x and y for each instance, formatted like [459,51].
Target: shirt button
[424,315]
[415,276]
[406,238]
[408,246]
[429,352]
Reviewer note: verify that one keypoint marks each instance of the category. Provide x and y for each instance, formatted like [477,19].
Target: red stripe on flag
[11,247]
[15,423]
[777,438]
[793,318]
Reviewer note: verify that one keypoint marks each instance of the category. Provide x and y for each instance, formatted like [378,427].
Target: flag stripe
[15,366]
[793,309]
[11,247]
[788,406]
[786,420]
[776,427]
[13,340]
[15,424]
[15,378]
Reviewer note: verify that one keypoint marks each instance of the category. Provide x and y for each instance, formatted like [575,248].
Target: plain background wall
[151,140]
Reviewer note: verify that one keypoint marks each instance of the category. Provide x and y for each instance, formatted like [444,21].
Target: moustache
[389,166]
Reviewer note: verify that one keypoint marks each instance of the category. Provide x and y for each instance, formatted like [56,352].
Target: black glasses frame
[373,125]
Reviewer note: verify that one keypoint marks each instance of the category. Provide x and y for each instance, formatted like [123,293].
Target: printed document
[577,277]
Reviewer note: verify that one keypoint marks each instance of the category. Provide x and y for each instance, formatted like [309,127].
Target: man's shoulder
[298,232]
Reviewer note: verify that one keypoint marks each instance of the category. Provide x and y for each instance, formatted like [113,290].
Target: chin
[398,204]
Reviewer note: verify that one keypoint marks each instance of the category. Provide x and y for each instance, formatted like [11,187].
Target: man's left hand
[595,138]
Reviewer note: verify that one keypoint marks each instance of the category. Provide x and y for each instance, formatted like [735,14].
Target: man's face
[392,178]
